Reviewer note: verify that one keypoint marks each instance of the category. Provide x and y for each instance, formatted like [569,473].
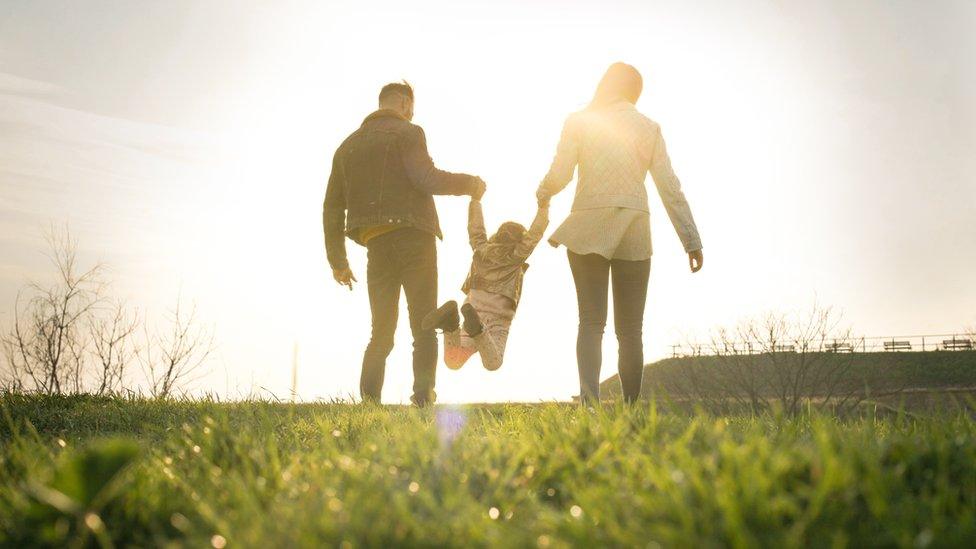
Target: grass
[936,371]
[89,471]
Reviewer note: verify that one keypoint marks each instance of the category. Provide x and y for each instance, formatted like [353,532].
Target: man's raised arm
[426,177]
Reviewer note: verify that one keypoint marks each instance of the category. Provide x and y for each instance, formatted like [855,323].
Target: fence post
[294,372]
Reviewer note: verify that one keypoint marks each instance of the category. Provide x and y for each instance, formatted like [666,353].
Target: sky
[827,150]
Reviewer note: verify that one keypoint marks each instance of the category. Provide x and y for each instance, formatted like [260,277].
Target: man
[380,194]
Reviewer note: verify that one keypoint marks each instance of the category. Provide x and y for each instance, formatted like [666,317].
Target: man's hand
[543,201]
[695,260]
[344,277]
[479,189]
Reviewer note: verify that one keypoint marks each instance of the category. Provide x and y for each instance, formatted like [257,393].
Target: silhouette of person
[380,195]
[607,233]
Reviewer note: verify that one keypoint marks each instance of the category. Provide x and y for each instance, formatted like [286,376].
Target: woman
[608,232]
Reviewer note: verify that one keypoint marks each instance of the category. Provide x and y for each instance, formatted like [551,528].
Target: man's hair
[396,88]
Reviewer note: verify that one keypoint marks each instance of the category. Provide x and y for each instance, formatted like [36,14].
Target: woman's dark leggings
[592,273]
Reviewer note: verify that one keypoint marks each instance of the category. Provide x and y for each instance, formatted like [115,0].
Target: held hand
[344,277]
[479,189]
[542,194]
[543,201]
[695,260]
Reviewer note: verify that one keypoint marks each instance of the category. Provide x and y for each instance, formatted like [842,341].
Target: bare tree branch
[113,348]
[173,358]
[45,347]
[789,361]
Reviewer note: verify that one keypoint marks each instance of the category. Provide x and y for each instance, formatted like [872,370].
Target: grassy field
[87,471]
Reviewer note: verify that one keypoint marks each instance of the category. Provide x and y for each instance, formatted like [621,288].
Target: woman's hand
[695,260]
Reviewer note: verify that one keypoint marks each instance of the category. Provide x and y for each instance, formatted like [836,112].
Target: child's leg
[490,357]
[492,340]
[456,350]
[488,316]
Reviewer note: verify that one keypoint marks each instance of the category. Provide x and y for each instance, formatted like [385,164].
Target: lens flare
[450,423]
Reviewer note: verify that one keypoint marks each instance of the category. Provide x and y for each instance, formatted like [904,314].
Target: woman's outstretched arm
[564,164]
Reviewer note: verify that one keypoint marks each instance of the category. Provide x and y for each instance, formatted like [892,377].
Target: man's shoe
[472,323]
[423,401]
[443,318]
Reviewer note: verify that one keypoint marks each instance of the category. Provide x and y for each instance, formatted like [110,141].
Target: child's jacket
[500,268]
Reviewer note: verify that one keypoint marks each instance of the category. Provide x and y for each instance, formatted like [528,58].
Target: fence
[889,344]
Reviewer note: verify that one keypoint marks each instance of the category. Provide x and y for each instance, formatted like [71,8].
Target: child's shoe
[444,318]
[472,322]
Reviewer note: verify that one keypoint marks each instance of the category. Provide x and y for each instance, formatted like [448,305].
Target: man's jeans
[593,274]
[404,258]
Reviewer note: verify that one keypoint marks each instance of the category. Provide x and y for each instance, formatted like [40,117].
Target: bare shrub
[777,360]
[67,337]
[172,356]
[113,347]
[45,349]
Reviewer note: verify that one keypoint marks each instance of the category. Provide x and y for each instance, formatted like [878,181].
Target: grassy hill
[868,373]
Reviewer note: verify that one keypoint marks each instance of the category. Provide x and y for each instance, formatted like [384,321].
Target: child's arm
[476,225]
[535,232]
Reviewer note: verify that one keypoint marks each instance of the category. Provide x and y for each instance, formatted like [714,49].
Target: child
[493,288]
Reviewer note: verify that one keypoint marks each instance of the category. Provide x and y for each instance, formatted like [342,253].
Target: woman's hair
[621,82]
[509,233]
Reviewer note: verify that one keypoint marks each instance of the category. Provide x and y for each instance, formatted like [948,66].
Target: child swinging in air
[493,288]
